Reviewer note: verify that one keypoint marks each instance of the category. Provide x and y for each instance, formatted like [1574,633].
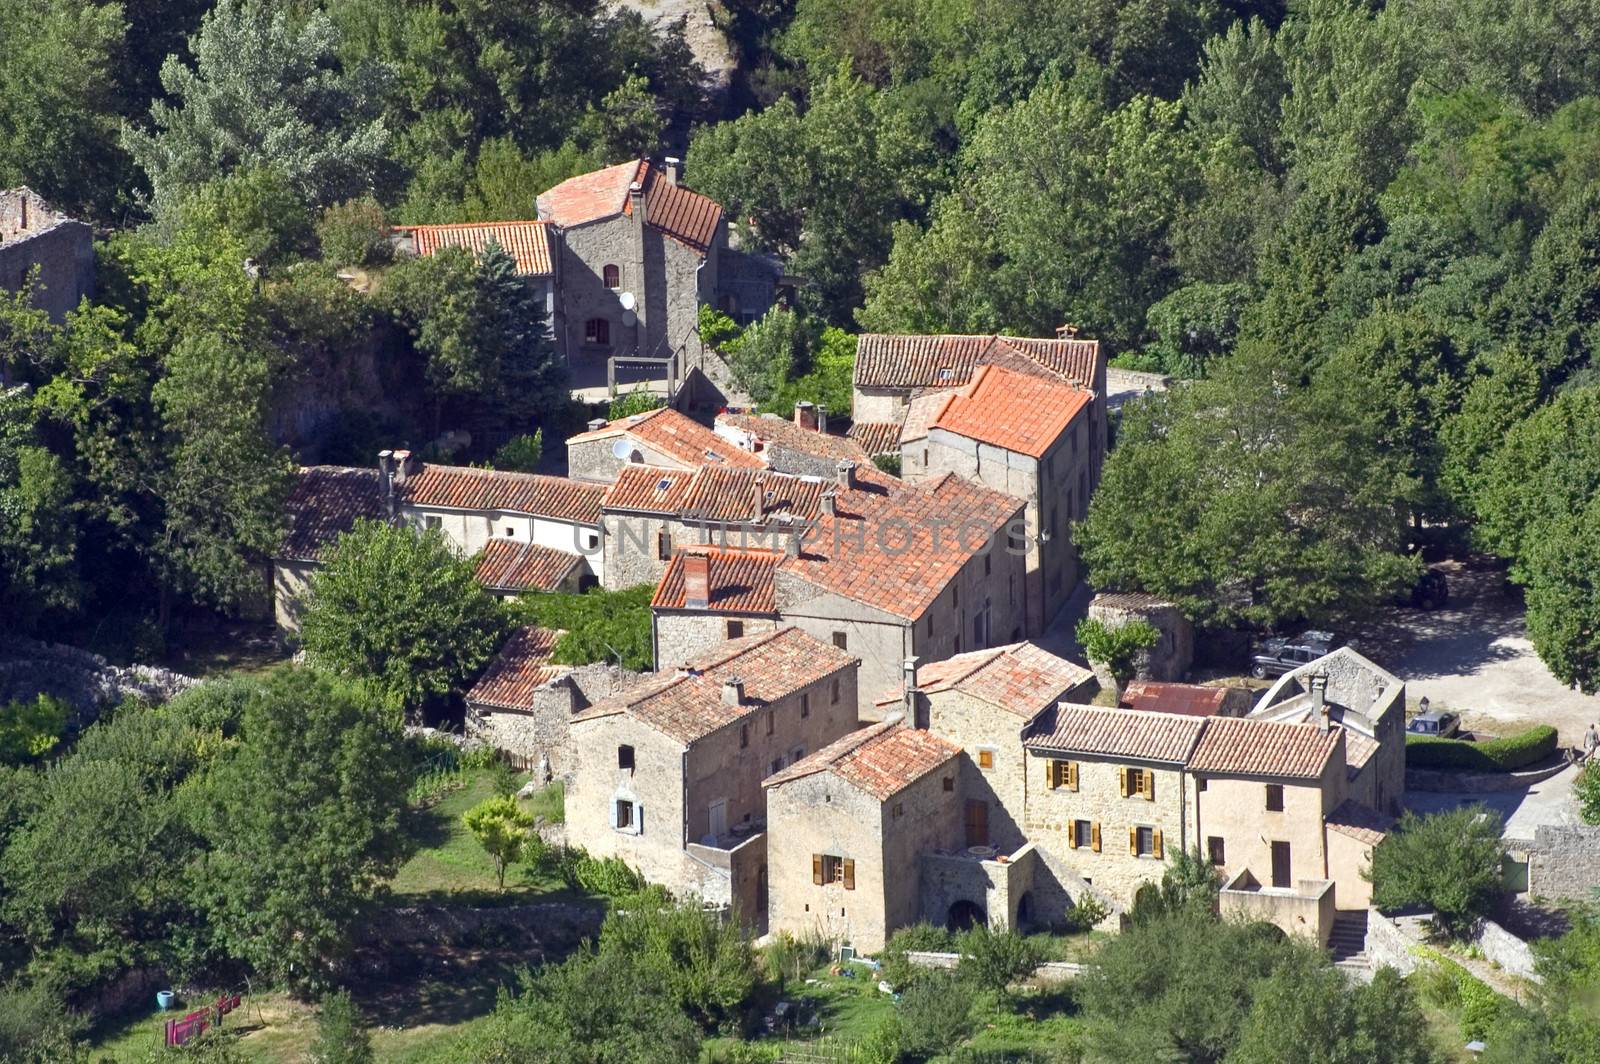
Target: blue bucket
[165,998]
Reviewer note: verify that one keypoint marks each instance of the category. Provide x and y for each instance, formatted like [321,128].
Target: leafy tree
[267,89]
[505,182]
[302,817]
[935,1013]
[39,572]
[401,611]
[637,401]
[1448,861]
[626,124]
[994,959]
[599,625]
[766,354]
[521,453]
[1564,598]
[503,829]
[1117,647]
[354,233]
[1194,326]
[28,730]
[1308,1011]
[717,330]
[828,378]
[1586,788]
[1190,884]
[340,1037]
[703,966]
[37,1028]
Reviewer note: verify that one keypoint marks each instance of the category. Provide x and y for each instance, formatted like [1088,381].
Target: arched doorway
[1025,911]
[965,915]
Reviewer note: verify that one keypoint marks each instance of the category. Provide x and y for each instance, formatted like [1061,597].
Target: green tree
[30,729]
[1308,1011]
[1448,861]
[1189,885]
[402,612]
[1116,647]
[267,89]
[39,573]
[503,829]
[340,1037]
[37,1028]
[1563,596]
[994,959]
[302,817]
[521,454]
[1586,788]
[599,625]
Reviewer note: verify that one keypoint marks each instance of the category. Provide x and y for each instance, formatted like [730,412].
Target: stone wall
[1306,913]
[86,681]
[1168,660]
[683,634]
[1564,861]
[454,925]
[527,735]
[1392,941]
[32,234]
[1507,950]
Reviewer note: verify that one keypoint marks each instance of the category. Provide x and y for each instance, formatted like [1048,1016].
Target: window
[833,693]
[735,629]
[930,626]
[1015,541]
[510,532]
[899,810]
[841,641]
[432,521]
[591,540]
[1061,774]
[663,545]
[955,595]
[744,736]
[1138,782]
[625,757]
[627,816]
[1275,797]
[1280,864]
[830,868]
[612,276]
[986,759]
[805,706]
[1200,783]
[977,822]
[1084,835]
[949,784]
[771,721]
[777,766]
[958,644]
[1214,850]
[597,331]
[1144,842]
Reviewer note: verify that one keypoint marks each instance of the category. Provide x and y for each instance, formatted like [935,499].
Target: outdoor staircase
[1348,941]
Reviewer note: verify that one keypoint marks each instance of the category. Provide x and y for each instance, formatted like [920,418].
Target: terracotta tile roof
[1016,411]
[682,214]
[1022,678]
[465,488]
[877,437]
[729,495]
[899,361]
[882,759]
[687,705]
[1119,733]
[530,243]
[1243,746]
[683,440]
[1187,698]
[1358,750]
[920,412]
[324,502]
[648,489]
[522,667]
[1131,600]
[1360,822]
[893,546]
[506,565]
[741,581]
[774,431]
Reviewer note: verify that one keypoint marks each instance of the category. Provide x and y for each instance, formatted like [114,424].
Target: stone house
[802,445]
[670,768]
[534,245]
[887,570]
[1170,658]
[638,255]
[1026,435]
[661,438]
[893,369]
[35,236]
[325,502]
[847,826]
[524,702]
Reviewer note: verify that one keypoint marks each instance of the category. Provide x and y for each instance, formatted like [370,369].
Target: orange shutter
[1072,834]
[849,874]
[816,869]
[1147,784]
[1122,780]
[1072,775]
[1094,836]
[1133,841]
[1158,843]
[1050,774]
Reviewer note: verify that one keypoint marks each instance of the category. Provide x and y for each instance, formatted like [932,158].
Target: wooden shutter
[1072,775]
[1133,841]
[1094,836]
[1157,843]
[1147,784]
[1072,834]
[613,814]
[1051,777]
[849,874]
[1122,780]
[816,869]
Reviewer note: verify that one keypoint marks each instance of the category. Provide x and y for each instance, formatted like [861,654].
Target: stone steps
[1347,940]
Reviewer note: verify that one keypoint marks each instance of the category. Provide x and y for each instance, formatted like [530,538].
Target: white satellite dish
[620,448]
[627,301]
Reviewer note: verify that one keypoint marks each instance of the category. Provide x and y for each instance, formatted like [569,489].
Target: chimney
[386,482]
[597,424]
[402,468]
[1066,332]
[791,544]
[830,504]
[696,581]
[805,414]
[822,417]
[761,501]
[674,169]
[1319,699]
[908,670]
[636,194]
[733,691]
[847,474]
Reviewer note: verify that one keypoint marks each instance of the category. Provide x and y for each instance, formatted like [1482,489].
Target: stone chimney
[674,169]
[597,424]
[636,195]
[404,467]
[822,417]
[386,482]
[761,501]
[696,581]
[908,671]
[733,691]
[1066,332]
[791,544]
[847,474]
[1319,699]
[830,504]
[805,415]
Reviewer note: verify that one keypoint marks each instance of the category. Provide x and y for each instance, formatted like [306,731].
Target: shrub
[520,454]
[1493,755]
[354,233]
[1086,913]
[29,730]
[1118,647]
[637,401]
[607,876]
[882,1045]
[717,330]
[923,937]
[340,1037]
[935,1013]
[994,960]
[1586,788]
[1448,861]
[788,957]
[703,964]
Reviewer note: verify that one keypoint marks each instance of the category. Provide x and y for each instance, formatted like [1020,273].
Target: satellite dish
[627,301]
[629,319]
[620,448]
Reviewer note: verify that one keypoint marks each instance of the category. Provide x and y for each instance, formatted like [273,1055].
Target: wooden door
[1280,864]
[977,823]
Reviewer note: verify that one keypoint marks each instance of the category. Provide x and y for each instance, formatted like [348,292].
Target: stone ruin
[86,681]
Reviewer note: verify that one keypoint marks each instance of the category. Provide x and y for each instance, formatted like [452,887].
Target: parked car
[1278,656]
[1435,722]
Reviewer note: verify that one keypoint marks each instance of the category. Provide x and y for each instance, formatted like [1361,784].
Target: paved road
[1549,802]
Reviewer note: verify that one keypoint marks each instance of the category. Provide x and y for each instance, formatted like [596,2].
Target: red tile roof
[1187,698]
[1358,750]
[920,412]
[1360,822]
[683,440]
[682,214]
[1016,411]
[1242,746]
[522,667]
[741,581]
[1119,733]
[775,431]
[882,759]
[716,493]
[465,488]
[325,502]
[688,705]
[648,489]
[900,362]
[1022,678]
[506,565]
[532,244]
[877,437]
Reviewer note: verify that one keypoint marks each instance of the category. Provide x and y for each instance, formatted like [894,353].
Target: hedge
[1492,755]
